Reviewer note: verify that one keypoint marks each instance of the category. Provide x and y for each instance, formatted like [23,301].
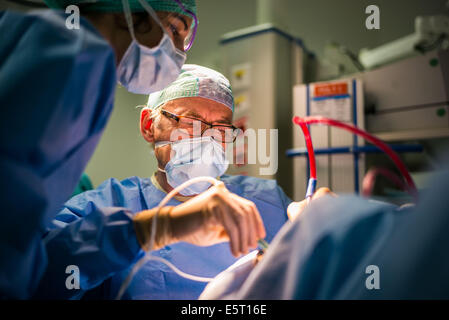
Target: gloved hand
[296,208]
[213,216]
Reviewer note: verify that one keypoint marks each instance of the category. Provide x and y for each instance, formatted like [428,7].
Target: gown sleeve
[56,94]
[93,235]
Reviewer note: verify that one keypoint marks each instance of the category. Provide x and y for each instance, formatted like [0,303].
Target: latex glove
[213,216]
[296,208]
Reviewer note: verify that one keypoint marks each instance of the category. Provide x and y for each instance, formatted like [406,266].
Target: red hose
[302,122]
[309,146]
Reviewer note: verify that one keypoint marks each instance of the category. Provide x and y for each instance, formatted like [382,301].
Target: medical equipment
[341,100]
[148,255]
[263,62]
[411,188]
[263,247]
[430,32]
[312,165]
[408,99]
[262,244]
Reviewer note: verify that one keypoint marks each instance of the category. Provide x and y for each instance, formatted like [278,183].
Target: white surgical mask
[144,70]
[191,158]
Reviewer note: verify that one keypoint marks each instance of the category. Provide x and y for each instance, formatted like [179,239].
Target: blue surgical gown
[84,234]
[339,248]
[56,94]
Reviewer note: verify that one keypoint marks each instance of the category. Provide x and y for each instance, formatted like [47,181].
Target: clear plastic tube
[302,122]
[148,255]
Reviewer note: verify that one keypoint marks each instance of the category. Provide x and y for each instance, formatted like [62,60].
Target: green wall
[122,152]
[316,22]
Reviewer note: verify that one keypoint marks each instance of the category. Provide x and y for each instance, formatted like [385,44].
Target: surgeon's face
[148,31]
[165,128]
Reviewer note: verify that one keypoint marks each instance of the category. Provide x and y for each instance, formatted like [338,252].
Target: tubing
[309,146]
[303,122]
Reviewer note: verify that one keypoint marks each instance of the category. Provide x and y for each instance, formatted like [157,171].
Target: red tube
[310,151]
[376,141]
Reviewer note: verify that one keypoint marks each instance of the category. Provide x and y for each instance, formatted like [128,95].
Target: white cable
[148,256]
[181,273]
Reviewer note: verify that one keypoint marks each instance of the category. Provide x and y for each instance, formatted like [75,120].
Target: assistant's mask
[144,70]
[191,158]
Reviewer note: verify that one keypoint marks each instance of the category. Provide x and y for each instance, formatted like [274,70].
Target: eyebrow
[183,20]
[224,121]
[190,113]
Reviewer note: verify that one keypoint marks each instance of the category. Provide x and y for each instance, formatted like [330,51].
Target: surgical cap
[116,5]
[195,81]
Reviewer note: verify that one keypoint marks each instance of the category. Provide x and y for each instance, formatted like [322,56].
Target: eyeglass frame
[195,26]
[177,117]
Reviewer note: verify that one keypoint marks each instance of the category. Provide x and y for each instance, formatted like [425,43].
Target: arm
[56,95]
[101,241]
[95,233]
[99,244]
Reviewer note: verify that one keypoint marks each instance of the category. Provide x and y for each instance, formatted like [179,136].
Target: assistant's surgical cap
[116,5]
[195,81]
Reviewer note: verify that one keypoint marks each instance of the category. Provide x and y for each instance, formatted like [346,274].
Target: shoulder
[46,18]
[112,192]
[37,47]
[249,183]
[44,31]
[70,75]
[47,24]
[266,190]
[131,183]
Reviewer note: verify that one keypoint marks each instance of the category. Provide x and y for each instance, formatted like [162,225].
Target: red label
[330,89]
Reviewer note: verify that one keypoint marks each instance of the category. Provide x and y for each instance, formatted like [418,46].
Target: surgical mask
[191,158]
[144,70]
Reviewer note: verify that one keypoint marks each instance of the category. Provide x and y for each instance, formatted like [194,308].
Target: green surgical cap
[195,81]
[116,5]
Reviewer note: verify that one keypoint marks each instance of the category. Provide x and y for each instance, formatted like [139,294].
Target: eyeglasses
[188,40]
[175,24]
[219,132]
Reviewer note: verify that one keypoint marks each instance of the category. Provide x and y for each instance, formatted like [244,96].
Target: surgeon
[57,90]
[199,97]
